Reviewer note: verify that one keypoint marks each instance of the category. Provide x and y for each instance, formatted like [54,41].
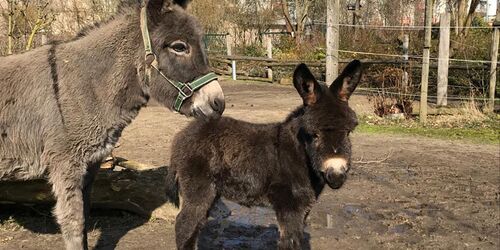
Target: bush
[255,50]
[392,97]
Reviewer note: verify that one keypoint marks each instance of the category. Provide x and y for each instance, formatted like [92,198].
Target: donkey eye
[315,136]
[179,47]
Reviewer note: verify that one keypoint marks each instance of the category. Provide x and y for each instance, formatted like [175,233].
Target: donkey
[285,165]
[64,106]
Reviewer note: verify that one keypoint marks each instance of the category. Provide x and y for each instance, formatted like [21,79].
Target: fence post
[269,47]
[425,62]
[229,51]
[229,44]
[406,47]
[44,41]
[443,60]
[332,40]
[233,69]
[494,60]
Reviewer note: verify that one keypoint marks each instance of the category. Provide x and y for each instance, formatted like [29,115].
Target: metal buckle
[186,90]
[150,58]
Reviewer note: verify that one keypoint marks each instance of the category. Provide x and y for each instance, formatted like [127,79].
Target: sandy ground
[429,193]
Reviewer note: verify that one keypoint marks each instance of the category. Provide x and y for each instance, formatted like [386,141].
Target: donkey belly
[20,156]
[247,188]
[21,143]
[15,169]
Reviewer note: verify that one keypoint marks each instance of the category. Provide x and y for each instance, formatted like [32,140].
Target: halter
[186,90]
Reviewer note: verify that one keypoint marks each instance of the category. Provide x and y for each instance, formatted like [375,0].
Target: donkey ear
[157,8]
[306,85]
[183,3]
[347,82]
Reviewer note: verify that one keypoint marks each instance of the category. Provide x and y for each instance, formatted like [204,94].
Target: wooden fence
[228,65]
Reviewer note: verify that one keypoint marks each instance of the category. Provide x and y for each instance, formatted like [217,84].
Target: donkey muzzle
[335,172]
[335,180]
[209,102]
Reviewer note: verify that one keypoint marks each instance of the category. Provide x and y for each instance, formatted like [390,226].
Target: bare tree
[43,17]
[300,12]
[10,31]
[211,13]
[463,15]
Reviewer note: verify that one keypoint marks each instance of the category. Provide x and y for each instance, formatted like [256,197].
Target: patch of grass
[465,122]
[479,134]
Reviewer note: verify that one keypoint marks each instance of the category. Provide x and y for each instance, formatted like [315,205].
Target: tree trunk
[142,192]
[463,15]
[302,13]
[298,16]
[10,30]
[468,19]
[33,33]
[286,14]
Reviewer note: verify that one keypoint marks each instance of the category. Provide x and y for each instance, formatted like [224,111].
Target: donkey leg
[87,190]
[67,184]
[291,225]
[193,215]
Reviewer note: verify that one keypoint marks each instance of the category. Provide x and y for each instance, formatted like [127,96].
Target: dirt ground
[429,193]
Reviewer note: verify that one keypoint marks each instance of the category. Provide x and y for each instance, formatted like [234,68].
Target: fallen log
[136,188]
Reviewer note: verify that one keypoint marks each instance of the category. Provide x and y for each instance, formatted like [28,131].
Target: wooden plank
[251,78]
[219,60]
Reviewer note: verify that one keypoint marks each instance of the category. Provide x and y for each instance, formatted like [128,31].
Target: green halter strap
[186,90]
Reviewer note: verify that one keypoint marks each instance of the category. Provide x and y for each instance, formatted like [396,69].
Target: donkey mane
[336,123]
[299,111]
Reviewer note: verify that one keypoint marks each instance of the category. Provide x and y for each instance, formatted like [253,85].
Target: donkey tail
[172,186]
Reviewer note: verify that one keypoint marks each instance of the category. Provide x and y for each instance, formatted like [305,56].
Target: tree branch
[286,13]
[360,161]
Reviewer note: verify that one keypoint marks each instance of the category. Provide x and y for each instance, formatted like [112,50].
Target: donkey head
[327,121]
[176,39]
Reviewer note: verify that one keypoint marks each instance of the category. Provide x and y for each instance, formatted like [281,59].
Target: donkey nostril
[334,179]
[218,105]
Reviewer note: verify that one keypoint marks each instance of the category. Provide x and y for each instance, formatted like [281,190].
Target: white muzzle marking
[203,98]
[339,165]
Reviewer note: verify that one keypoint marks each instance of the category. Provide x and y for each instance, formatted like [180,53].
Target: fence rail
[272,62]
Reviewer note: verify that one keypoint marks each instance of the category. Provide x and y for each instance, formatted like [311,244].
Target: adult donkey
[64,106]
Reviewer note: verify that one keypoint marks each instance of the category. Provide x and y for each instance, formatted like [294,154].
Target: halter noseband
[186,90]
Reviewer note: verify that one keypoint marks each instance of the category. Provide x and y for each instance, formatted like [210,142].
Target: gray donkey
[63,106]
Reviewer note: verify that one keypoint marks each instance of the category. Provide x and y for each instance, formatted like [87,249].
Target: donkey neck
[288,144]
[110,58]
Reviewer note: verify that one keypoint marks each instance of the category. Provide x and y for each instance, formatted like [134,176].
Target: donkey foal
[283,164]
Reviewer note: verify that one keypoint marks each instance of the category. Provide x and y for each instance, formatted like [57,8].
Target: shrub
[393,96]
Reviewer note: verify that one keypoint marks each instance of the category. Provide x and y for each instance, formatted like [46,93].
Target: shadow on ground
[245,228]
